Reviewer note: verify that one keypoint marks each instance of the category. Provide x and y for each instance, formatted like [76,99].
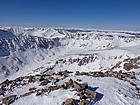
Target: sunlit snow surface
[28,51]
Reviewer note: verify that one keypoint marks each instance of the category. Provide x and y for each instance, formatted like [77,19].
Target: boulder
[65,85]
[39,93]
[52,88]
[50,78]
[56,80]
[69,101]
[2,92]
[41,79]
[64,73]
[84,85]
[9,100]
[44,83]
[5,83]
[128,66]
[77,86]
[19,79]
[32,79]
[90,94]
[77,73]
[32,89]
[26,94]
[70,82]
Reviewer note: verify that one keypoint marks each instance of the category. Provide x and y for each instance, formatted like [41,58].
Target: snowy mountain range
[105,59]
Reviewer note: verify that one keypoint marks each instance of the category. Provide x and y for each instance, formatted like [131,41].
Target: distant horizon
[100,14]
[29,26]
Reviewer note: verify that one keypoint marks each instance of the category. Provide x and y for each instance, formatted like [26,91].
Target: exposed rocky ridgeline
[42,84]
[85,60]
[128,64]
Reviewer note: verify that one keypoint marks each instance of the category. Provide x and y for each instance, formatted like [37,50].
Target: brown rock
[91,94]
[19,79]
[31,89]
[77,73]
[52,88]
[65,73]
[44,83]
[38,75]
[5,83]
[2,92]
[138,89]
[133,84]
[26,94]
[84,73]
[9,100]
[41,79]
[69,101]
[128,66]
[57,80]
[65,85]
[39,92]
[77,86]
[70,83]
[50,78]
[32,79]
[84,85]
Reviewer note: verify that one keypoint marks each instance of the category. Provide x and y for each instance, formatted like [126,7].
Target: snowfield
[110,92]
[108,59]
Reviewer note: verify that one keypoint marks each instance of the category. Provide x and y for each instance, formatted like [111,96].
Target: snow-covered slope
[37,50]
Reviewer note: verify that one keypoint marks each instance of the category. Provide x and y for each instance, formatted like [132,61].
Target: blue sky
[107,14]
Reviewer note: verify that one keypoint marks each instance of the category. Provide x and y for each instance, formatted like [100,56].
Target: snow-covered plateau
[69,66]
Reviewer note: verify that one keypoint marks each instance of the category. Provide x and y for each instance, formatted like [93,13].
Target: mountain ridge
[44,59]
